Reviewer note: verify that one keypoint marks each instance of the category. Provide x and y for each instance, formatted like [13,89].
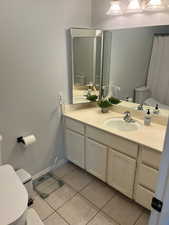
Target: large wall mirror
[131,64]
[136,65]
[86,58]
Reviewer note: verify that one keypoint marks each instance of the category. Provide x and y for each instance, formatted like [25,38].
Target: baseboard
[54,166]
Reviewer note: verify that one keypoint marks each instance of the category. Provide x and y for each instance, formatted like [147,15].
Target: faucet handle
[127,113]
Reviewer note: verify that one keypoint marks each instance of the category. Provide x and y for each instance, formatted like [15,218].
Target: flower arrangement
[104,104]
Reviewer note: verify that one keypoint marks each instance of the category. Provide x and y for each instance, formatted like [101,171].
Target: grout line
[94,203]
[66,202]
[53,211]
[108,201]
[78,193]
[63,218]
[94,206]
[93,217]
[100,209]
[50,206]
[110,217]
[117,223]
[48,216]
[70,187]
[138,218]
[86,185]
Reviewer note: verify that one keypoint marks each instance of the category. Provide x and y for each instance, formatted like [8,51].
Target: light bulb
[154,5]
[115,8]
[134,7]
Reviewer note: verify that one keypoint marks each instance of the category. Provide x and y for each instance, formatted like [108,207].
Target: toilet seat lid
[13,196]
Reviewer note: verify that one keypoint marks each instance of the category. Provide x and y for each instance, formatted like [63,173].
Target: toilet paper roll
[29,140]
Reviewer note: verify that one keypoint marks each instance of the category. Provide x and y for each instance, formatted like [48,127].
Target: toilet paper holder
[20,140]
[27,140]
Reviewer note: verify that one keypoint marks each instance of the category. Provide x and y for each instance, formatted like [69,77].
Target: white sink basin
[120,124]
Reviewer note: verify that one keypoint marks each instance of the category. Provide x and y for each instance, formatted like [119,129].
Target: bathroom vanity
[126,160]
[125,156]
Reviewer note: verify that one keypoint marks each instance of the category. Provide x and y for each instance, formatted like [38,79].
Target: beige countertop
[151,136]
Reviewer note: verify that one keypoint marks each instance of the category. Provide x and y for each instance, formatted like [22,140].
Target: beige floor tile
[59,197]
[78,179]
[123,210]
[144,219]
[98,193]
[55,219]
[64,170]
[34,194]
[78,211]
[101,219]
[42,208]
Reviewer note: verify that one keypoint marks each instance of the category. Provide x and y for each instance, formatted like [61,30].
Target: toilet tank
[0,150]
[141,94]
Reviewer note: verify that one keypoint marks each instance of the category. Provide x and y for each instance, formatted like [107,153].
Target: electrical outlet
[61,98]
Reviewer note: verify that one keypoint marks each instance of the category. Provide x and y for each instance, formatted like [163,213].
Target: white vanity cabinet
[127,166]
[75,142]
[147,174]
[96,159]
[121,172]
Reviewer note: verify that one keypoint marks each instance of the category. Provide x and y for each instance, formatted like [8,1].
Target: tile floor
[85,200]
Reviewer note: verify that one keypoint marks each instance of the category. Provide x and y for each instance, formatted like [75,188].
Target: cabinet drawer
[124,146]
[143,197]
[74,125]
[148,177]
[151,157]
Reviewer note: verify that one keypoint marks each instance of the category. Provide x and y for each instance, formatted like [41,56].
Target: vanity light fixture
[134,7]
[137,6]
[115,9]
[154,5]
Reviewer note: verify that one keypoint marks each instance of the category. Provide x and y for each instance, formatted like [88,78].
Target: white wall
[33,70]
[101,20]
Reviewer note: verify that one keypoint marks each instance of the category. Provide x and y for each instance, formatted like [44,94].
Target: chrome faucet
[127,118]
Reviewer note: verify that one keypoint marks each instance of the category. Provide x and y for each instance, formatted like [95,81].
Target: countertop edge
[110,132]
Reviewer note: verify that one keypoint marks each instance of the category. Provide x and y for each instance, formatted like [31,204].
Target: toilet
[14,199]
[141,94]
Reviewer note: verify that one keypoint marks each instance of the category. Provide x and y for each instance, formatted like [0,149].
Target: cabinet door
[96,159]
[75,147]
[121,172]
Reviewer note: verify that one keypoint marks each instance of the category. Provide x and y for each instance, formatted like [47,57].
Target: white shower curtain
[158,77]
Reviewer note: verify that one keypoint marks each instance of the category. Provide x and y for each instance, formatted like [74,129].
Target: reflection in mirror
[136,65]
[86,50]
